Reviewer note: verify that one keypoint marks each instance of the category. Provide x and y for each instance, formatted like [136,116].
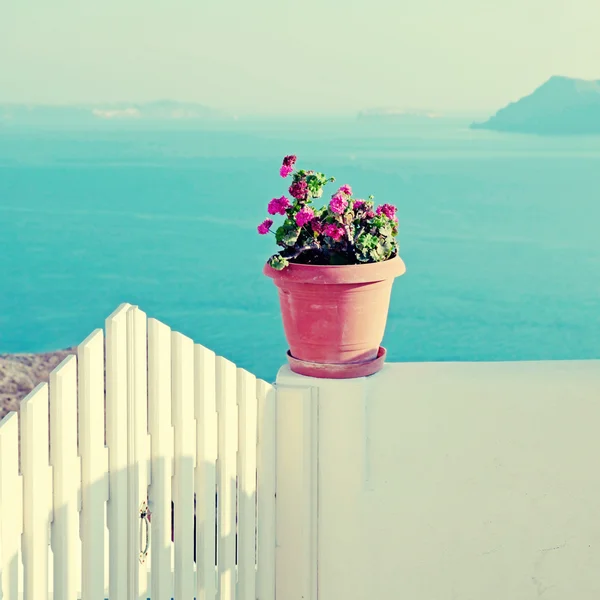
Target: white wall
[435,481]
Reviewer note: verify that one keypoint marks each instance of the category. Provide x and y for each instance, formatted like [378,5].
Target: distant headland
[561,106]
[161,110]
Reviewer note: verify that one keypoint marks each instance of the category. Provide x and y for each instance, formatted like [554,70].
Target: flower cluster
[344,231]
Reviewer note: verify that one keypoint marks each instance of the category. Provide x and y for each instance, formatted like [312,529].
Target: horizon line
[410,111]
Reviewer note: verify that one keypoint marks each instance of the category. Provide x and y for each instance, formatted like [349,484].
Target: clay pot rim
[350,370]
[338,274]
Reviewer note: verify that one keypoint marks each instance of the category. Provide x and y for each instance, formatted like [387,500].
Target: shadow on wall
[205,544]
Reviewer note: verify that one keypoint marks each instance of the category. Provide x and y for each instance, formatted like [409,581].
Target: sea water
[500,234]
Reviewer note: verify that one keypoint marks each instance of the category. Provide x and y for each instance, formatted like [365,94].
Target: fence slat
[137,448]
[185,451]
[227,476]
[11,507]
[212,433]
[66,479]
[116,438]
[37,492]
[206,465]
[161,430]
[247,427]
[94,465]
[266,470]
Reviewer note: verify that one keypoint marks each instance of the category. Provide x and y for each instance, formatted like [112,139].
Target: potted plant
[334,274]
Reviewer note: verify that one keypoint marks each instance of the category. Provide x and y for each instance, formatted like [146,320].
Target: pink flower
[317,226]
[334,231]
[338,204]
[358,204]
[299,190]
[369,214]
[288,165]
[264,227]
[285,170]
[278,206]
[304,215]
[346,189]
[388,210]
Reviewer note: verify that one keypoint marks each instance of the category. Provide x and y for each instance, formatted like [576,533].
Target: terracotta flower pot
[334,316]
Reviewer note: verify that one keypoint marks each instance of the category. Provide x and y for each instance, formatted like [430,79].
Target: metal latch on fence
[144,528]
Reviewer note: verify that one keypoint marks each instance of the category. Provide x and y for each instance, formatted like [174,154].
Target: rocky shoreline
[20,373]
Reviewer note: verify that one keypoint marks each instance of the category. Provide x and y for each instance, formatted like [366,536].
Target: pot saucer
[337,371]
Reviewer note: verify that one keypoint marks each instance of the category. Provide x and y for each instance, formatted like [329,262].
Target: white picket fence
[182,425]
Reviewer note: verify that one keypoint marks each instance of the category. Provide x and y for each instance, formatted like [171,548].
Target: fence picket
[137,449]
[116,439]
[161,430]
[185,452]
[37,493]
[206,465]
[11,507]
[94,464]
[66,474]
[247,403]
[171,422]
[227,477]
[266,469]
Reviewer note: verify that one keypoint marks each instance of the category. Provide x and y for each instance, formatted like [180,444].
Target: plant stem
[299,251]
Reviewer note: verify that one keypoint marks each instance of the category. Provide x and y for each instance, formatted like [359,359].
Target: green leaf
[287,234]
[386,230]
[279,233]
[291,237]
[380,221]
[278,262]
[375,255]
[383,250]
[315,183]
[366,242]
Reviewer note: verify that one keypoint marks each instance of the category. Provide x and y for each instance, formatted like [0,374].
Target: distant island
[396,113]
[161,110]
[561,106]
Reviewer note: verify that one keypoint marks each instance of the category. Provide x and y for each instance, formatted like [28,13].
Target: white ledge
[440,480]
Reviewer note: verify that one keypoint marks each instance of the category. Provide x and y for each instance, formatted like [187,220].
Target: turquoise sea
[500,234]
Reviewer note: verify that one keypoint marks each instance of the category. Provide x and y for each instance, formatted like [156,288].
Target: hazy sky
[272,56]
